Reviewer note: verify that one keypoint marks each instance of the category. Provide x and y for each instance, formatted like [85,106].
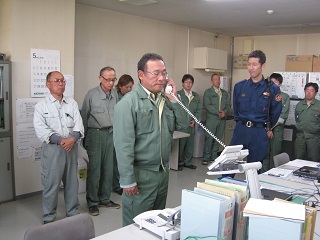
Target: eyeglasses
[57,81]
[164,74]
[110,79]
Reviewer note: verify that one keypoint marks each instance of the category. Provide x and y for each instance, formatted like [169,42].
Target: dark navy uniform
[250,105]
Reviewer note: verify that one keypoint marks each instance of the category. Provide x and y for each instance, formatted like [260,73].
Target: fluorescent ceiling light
[139,2]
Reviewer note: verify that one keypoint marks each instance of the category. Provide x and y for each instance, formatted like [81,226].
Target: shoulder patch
[266,94]
[278,97]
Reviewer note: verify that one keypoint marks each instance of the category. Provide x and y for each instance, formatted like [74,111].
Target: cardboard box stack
[302,63]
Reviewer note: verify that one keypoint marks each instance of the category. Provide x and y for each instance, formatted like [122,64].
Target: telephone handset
[169,91]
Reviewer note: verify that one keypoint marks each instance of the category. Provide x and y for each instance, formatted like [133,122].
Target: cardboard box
[316,64]
[240,62]
[299,63]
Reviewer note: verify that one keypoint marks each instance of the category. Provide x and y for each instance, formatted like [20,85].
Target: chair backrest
[280,159]
[79,227]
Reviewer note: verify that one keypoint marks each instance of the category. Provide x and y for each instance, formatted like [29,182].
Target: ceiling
[227,17]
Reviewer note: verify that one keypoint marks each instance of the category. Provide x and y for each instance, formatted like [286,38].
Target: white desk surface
[296,183]
[177,134]
[133,232]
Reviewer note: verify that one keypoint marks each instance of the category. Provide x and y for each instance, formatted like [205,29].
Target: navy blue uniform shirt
[250,101]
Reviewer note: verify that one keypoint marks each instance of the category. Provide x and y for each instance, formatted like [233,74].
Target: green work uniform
[307,143]
[275,144]
[97,114]
[143,136]
[214,102]
[186,145]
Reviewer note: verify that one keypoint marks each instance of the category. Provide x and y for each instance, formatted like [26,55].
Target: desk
[294,183]
[174,156]
[131,232]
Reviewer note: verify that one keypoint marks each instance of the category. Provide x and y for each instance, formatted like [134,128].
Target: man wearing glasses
[58,125]
[97,114]
[143,133]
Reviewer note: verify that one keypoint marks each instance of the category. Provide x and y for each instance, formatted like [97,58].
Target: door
[6,188]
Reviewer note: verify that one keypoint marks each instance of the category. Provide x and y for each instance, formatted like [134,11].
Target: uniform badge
[266,94]
[278,97]
[243,95]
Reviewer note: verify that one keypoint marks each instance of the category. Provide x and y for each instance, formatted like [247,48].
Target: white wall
[276,48]
[104,37]
[91,38]
[43,24]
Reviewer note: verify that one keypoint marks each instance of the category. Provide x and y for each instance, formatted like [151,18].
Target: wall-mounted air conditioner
[210,59]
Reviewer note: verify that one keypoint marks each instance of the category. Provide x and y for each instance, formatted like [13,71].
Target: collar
[53,99]
[261,82]
[187,94]
[148,92]
[103,94]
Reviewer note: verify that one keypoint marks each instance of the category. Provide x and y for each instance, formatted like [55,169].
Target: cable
[197,121]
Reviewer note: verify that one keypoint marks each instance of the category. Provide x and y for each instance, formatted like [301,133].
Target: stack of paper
[274,220]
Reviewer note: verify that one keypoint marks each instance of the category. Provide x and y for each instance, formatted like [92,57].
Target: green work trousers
[274,148]
[153,189]
[186,146]
[211,146]
[307,148]
[99,145]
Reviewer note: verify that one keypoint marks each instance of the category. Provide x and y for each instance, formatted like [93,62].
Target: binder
[200,215]
[222,191]
[310,222]
[226,212]
[241,199]
[274,220]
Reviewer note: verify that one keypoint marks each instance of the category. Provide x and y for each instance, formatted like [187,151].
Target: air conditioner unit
[210,59]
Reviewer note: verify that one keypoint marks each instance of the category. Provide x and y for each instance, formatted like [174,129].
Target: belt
[253,124]
[102,129]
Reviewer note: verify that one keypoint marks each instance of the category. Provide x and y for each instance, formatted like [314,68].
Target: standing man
[216,101]
[275,135]
[58,125]
[257,107]
[307,115]
[191,100]
[97,114]
[143,134]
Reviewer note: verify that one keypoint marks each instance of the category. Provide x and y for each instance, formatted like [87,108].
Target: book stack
[214,210]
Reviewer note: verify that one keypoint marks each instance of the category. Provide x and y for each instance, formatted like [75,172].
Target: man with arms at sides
[145,120]
[216,101]
[124,86]
[257,107]
[191,100]
[275,135]
[59,126]
[307,115]
[97,114]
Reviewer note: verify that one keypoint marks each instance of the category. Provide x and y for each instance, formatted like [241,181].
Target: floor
[17,216]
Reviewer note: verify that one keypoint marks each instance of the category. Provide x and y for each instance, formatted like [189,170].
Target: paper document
[278,172]
[260,207]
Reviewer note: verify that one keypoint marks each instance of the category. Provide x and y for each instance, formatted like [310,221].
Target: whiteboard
[293,84]
[291,120]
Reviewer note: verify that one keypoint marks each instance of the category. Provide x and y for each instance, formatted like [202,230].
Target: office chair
[79,227]
[281,159]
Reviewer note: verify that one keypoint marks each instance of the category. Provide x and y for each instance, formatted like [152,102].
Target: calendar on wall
[42,62]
